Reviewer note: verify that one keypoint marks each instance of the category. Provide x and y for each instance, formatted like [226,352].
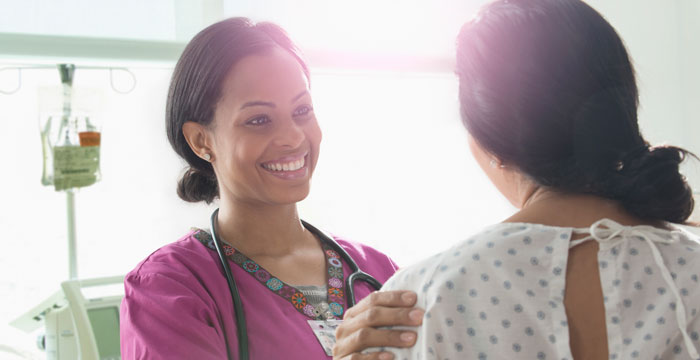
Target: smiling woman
[240,113]
[259,132]
[196,73]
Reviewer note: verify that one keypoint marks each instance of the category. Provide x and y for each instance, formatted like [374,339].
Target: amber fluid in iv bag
[89,138]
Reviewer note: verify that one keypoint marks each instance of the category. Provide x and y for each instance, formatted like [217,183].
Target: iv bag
[71,151]
[70,144]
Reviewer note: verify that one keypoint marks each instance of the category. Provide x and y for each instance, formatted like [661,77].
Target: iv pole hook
[19,80]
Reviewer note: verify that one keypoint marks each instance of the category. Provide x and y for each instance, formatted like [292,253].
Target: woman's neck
[555,208]
[261,229]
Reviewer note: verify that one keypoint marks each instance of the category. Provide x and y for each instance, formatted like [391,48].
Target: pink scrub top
[177,305]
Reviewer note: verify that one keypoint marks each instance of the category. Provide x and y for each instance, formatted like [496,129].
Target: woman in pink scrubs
[239,112]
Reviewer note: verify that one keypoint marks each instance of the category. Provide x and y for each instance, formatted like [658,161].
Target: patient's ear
[199,139]
[507,179]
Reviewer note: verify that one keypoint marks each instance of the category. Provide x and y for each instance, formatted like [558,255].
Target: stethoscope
[356,275]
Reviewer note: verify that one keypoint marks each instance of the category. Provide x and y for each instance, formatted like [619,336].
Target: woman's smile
[289,167]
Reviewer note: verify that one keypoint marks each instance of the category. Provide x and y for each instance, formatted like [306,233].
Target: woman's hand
[381,308]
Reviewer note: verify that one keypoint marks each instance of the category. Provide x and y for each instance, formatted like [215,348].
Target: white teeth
[290,166]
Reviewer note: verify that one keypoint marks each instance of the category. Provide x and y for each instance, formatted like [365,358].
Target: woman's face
[265,135]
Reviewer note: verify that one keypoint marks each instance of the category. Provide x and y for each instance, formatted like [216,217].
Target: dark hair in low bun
[195,89]
[650,185]
[196,186]
[547,86]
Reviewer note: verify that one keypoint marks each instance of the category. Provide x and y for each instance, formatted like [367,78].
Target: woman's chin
[290,196]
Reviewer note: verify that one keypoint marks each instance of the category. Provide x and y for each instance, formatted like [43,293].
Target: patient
[591,266]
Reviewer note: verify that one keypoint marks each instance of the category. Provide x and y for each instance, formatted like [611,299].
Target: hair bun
[196,185]
[650,185]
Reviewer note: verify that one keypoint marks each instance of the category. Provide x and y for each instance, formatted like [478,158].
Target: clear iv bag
[70,150]
[70,142]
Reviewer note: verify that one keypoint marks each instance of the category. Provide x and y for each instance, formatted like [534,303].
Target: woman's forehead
[275,76]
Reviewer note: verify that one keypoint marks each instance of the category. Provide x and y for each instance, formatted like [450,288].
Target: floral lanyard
[336,285]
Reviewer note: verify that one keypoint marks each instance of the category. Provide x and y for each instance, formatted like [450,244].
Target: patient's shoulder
[504,245]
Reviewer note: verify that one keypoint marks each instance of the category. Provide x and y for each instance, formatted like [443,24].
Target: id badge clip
[325,333]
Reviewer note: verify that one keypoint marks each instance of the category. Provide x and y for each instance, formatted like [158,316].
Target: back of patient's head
[547,87]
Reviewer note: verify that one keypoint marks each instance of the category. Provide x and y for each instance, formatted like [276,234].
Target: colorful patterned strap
[335,307]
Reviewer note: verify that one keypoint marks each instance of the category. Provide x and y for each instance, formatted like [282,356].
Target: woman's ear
[505,178]
[199,140]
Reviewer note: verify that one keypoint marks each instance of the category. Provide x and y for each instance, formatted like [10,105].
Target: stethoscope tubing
[235,296]
[355,272]
[242,331]
[350,285]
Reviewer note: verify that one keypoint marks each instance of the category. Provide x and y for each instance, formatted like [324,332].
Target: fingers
[396,298]
[359,328]
[378,316]
[370,356]
[370,337]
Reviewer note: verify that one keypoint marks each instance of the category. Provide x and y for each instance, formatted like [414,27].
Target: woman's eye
[259,120]
[302,110]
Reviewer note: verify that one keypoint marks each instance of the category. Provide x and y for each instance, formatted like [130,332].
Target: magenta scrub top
[177,305]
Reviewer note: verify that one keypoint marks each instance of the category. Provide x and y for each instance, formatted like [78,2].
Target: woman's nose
[290,135]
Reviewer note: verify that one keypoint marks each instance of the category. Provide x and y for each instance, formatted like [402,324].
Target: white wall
[127,19]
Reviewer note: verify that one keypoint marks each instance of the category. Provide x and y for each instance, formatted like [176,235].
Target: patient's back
[583,301]
[519,290]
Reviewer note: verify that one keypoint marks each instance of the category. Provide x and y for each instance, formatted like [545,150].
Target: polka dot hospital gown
[499,294]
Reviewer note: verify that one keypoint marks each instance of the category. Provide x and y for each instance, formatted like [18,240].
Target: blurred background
[395,171]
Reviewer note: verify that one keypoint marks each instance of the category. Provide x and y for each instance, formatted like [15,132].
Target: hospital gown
[177,305]
[499,294]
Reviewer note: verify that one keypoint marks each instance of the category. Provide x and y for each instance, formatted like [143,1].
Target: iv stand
[72,244]
[67,71]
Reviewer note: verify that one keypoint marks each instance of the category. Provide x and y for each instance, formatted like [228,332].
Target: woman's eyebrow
[257,103]
[271,104]
[300,95]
